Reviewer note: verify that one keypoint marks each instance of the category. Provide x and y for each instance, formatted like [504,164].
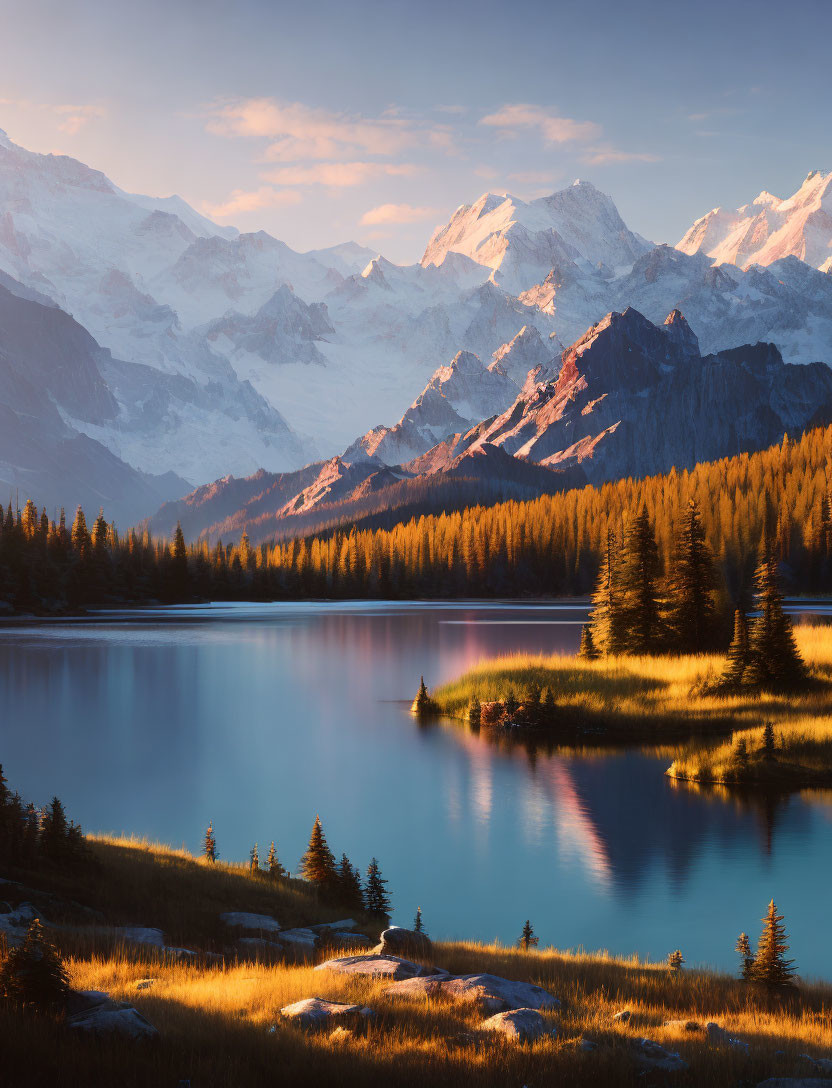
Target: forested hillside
[546,546]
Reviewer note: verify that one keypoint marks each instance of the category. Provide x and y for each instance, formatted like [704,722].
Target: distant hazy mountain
[768,229]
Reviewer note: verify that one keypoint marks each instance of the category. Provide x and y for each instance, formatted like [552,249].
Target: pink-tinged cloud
[241,201]
[395,213]
[600,156]
[553,128]
[72,118]
[298,132]
[340,174]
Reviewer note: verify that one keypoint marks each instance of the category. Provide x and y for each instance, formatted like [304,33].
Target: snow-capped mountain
[456,397]
[519,243]
[769,229]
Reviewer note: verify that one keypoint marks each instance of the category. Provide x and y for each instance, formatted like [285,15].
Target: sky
[372,121]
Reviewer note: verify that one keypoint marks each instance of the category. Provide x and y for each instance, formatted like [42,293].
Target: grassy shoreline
[664,700]
[215,1018]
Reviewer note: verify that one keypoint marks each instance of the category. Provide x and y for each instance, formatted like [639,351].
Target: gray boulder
[140,935]
[298,938]
[821,1065]
[374,966]
[489,992]
[257,949]
[314,1012]
[251,923]
[654,1056]
[397,941]
[342,925]
[518,1025]
[622,1017]
[720,1037]
[93,1011]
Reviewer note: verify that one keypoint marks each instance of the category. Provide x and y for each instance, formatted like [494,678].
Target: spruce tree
[376,899]
[774,657]
[549,704]
[209,844]
[740,756]
[54,833]
[587,649]
[527,937]
[675,960]
[474,711]
[639,587]
[418,924]
[510,704]
[318,864]
[422,704]
[254,859]
[738,657]
[690,615]
[606,617]
[276,870]
[769,743]
[743,949]
[771,968]
[33,974]
[348,882]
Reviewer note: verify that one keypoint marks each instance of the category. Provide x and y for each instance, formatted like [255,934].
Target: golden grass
[659,698]
[215,1021]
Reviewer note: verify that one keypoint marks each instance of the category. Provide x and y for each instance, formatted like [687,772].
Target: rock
[397,941]
[822,1065]
[145,983]
[140,935]
[258,948]
[314,1012]
[343,924]
[253,923]
[622,1017]
[518,1025]
[345,940]
[490,992]
[373,965]
[587,1044]
[99,1015]
[720,1037]
[684,1025]
[654,1056]
[295,937]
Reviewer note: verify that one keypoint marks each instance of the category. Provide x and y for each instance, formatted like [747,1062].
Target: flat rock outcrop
[489,992]
[315,1012]
[375,966]
[251,923]
[397,941]
[94,1012]
[518,1025]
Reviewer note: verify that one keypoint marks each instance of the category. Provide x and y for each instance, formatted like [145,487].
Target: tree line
[549,546]
[31,836]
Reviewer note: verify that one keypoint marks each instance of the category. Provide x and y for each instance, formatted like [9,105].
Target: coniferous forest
[550,546]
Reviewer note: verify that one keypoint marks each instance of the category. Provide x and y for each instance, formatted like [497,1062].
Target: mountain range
[209,352]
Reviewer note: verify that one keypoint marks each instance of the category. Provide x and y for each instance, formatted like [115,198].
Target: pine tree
[527,937]
[254,859]
[276,870]
[474,711]
[738,652]
[33,974]
[743,949]
[769,743]
[606,617]
[510,704]
[675,960]
[587,650]
[638,581]
[549,704]
[422,704]
[690,613]
[54,832]
[418,924]
[318,864]
[741,756]
[209,844]
[376,899]
[774,657]
[771,968]
[348,880]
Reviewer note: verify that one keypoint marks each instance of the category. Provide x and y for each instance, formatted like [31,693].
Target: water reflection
[257,718]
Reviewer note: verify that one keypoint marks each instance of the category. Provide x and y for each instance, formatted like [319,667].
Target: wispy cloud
[605,153]
[242,201]
[298,132]
[70,118]
[339,174]
[545,119]
[395,213]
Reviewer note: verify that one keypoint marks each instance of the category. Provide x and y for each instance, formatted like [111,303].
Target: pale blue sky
[328,121]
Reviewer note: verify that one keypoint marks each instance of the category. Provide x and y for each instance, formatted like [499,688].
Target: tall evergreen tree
[418,924]
[587,649]
[350,893]
[738,652]
[771,968]
[376,898]
[254,859]
[209,844]
[276,870]
[639,587]
[318,864]
[743,949]
[528,939]
[690,615]
[774,657]
[675,960]
[54,833]
[606,617]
